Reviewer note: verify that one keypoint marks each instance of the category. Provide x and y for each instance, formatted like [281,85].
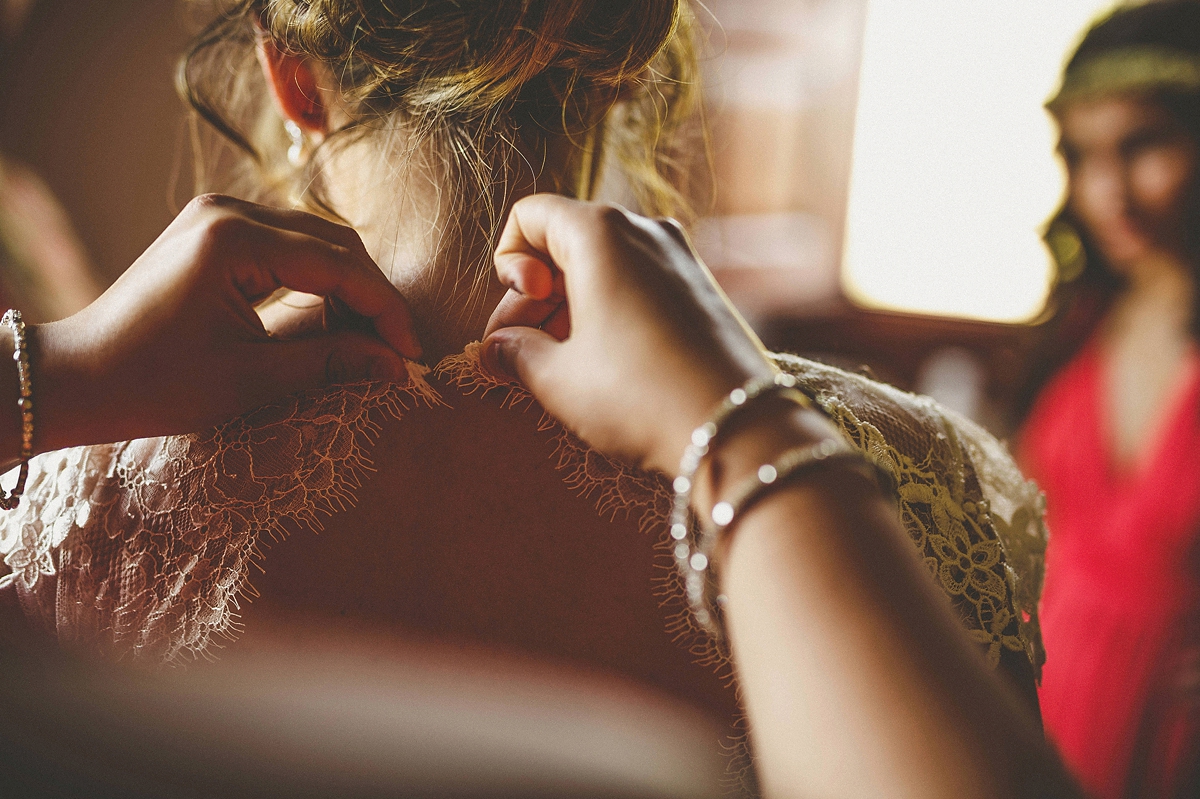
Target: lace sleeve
[55,503]
[973,518]
[140,550]
[1017,509]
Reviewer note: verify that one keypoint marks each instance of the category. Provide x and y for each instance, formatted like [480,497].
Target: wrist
[59,388]
[781,437]
[754,425]
[698,402]
[777,426]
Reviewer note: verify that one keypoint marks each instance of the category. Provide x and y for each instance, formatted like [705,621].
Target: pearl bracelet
[12,320]
[690,558]
[788,465]
[695,542]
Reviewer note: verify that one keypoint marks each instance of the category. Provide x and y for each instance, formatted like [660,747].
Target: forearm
[69,407]
[857,679]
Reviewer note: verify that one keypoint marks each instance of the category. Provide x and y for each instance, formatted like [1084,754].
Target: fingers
[676,231]
[526,354]
[531,276]
[303,263]
[284,219]
[517,310]
[353,356]
[306,253]
[559,323]
[526,236]
[293,315]
[285,367]
[550,226]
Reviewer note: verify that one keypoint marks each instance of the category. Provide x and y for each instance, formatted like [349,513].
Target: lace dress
[143,550]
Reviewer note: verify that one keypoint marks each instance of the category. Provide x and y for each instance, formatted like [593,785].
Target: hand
[637,343]
[175,344]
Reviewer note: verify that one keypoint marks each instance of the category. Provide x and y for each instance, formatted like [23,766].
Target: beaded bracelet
[790,464]
[12,320]
[695,542]
[690,559]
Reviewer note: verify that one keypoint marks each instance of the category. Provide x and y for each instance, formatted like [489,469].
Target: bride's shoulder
[843,394]
[896,425]
[962,498]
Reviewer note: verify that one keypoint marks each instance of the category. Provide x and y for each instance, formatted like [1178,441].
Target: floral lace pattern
[141,550]
[615,488]
[973,517]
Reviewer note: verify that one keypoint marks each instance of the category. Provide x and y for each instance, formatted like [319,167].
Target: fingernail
[387,367]
[495,360]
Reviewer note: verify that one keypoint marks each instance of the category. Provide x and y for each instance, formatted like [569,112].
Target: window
[953,173]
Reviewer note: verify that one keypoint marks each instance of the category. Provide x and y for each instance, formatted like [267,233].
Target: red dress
[1122,592]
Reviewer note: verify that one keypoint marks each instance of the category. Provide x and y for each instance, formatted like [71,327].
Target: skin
[633,381]
[629,326]
[175,345]
[515,582]
[585,326]
[918,713]
[393,194]
[1130,168]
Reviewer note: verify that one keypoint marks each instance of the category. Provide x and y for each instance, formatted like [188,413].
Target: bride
[445,505]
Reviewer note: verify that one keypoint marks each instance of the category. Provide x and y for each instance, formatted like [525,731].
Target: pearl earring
[295,153]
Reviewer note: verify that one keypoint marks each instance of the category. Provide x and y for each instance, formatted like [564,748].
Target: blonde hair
[470,80]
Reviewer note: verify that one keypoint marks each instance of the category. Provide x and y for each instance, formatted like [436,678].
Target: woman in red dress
[1114,436]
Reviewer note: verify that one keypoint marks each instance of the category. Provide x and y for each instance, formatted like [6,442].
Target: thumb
[343,357]
[525,354]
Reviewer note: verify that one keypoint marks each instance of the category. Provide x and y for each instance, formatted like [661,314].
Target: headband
[1129,70]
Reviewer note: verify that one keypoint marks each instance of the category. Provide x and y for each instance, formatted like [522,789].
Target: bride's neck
[397,195]
[391,192]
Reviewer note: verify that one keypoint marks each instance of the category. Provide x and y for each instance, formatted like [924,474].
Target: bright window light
[953,172]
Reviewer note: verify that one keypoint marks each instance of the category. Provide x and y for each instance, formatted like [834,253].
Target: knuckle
[617,229]
[336,233]
[357,251]
[611,216]
[671,225]
[209,201]
[344,247]
[675,230]
[542,197]
[350,237]
[225,229]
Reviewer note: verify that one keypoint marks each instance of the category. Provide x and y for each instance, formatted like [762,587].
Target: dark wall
[87,99]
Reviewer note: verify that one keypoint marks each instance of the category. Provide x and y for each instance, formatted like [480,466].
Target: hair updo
[483,83]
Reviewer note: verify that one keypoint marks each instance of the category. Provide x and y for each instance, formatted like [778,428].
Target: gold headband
[1129,70]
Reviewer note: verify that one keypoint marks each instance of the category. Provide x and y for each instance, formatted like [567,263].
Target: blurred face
[1130,167]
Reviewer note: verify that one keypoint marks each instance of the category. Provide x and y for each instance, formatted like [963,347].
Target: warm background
[87,100]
